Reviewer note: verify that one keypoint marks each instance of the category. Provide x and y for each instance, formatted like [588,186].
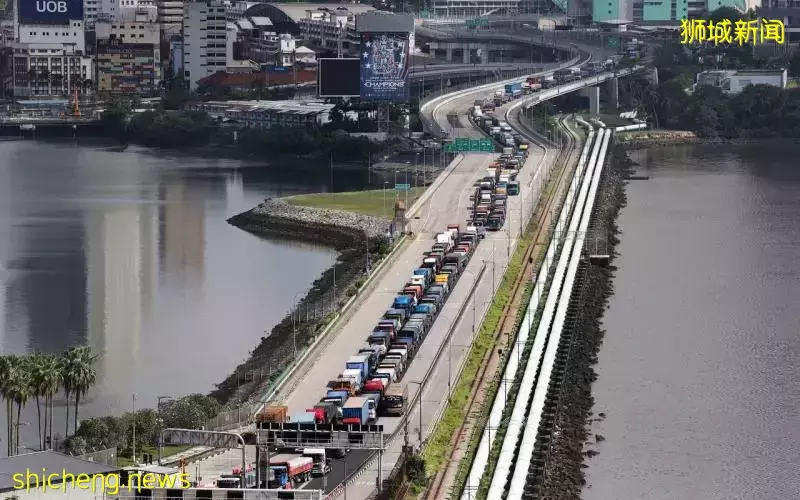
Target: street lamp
[384,198]
[420,408]
[294,324]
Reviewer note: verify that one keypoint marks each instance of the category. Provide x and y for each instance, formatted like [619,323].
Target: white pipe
[520,477]
[515,424]
[481,459]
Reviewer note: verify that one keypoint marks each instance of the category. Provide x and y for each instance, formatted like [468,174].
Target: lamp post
[134,429]
[294,325]
[420,408]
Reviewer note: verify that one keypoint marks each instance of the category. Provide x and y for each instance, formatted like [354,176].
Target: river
[699,373]
[130,253]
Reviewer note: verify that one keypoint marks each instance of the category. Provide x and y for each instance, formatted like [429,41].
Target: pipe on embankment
[481,460]
[517,419]
[520,476]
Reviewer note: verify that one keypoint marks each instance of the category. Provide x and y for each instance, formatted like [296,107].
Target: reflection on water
[699,372]
[130,253]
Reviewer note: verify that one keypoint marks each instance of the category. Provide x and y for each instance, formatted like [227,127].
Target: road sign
[464,145]
[613,42]
[478,22]
[402,187]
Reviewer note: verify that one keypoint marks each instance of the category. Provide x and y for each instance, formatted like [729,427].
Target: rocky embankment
[572,443]
[351,234]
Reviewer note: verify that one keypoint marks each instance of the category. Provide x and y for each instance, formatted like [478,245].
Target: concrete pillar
[449,54]
[613,94]
[594,99]
[467,52]
[485,55]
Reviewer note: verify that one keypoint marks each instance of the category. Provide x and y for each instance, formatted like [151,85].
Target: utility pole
[134,428]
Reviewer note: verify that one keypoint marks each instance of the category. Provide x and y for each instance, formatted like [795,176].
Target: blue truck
[403,302]
[512,88]
[360,362]
[356,411]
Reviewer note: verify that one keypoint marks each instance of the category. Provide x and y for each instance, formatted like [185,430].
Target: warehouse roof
[49,460]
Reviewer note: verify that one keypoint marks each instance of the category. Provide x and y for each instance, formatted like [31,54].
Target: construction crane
[75,105]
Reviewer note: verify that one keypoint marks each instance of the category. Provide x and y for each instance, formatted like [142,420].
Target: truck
[275,414]
[289,471]
[303,417]
[326,413]
[356,377]
[512,87]
[321,464]
[394,401]
[340,396]
[356,411]
[361,363]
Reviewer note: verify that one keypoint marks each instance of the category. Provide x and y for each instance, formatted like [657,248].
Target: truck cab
[321,463]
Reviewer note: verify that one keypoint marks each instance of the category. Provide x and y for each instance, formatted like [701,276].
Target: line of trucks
[490,199]
[286,470]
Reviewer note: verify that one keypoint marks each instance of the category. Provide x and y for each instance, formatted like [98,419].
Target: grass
[166,451]
[362,202]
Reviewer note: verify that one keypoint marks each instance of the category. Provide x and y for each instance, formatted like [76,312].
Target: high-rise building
[170,17]
[204,40]
[129,55]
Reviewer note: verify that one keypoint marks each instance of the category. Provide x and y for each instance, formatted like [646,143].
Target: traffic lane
[442,210]
[340,469]
[331,362]
[450,206]
[210,469]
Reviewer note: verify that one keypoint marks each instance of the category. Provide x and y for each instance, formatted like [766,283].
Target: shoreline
[572,442]
[628,141]
[347,232]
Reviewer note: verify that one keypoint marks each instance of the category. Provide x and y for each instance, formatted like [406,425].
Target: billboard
[50,11]
[338,77]
[384,66]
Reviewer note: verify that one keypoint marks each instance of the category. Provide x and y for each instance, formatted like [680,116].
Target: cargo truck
[289,471]
[360,363]
[321,464]
[513,87]
[355,376]
[394,401]
[356,411]
[303,417]
[275,414]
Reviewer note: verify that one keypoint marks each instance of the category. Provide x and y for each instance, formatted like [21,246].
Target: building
[49,70]
[733,82]
[116,10]
[273,77]
[787,11]
[129,56]
[267,114]
[57,466]
[257,38]
[204,40]
[170,17]
[659,11]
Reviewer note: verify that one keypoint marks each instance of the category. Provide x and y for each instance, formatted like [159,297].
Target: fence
[107,456]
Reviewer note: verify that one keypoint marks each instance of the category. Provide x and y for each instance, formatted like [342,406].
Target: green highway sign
[478,22]
[464,145]
[425,14]
[613,42]
[402,187]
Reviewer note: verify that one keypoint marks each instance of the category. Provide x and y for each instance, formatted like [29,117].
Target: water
[700,370]
[130,253]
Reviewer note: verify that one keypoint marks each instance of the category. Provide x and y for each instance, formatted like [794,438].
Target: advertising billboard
[50,11]
[339,77]
[384,66]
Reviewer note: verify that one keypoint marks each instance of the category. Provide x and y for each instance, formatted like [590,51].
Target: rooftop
[287,107]
[50,461]
[297,11]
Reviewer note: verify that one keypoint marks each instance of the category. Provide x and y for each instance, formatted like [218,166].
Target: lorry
[275,414]
[289,471]
[303,417]
[361,363]
[356,411]
[356,377]
[394,401]
[510,88]
[321,464]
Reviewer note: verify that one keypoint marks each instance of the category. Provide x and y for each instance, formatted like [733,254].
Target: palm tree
[86,375]
[19,390]
[68,380]
[45,381]
[50,385]
[6,374]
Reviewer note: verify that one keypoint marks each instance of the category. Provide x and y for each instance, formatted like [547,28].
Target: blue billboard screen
[50,11]
[384,66]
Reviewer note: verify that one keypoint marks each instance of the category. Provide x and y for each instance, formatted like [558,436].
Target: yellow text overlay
[697,31]
[97,483]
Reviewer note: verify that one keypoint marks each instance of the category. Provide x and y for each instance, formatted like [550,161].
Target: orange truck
[269,413]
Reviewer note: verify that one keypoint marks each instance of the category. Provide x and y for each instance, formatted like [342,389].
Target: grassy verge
[377,202]
[166,451]
[436,451]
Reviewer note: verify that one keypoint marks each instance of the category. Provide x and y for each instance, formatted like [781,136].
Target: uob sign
[51,6]
[50,11]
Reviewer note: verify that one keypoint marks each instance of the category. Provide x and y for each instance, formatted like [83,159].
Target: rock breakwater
[361,243]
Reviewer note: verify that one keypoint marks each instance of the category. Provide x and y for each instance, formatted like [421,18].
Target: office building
[129,56]
[733,82]
[170,17]
[204,40]
[266,114]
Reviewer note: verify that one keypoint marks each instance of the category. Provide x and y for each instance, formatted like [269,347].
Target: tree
[794,63]
[19,391]
[50,384]
[37,381]
[189,412]
[6,375]
[87,375]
